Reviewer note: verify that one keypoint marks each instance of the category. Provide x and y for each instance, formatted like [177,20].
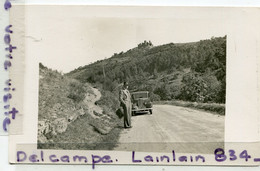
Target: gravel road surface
[174,128]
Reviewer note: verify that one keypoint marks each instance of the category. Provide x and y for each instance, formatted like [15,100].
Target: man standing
[125,102]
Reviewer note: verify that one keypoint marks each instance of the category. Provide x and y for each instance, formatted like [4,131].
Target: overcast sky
[65,38]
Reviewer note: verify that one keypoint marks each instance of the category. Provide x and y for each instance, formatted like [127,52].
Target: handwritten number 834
[220,155]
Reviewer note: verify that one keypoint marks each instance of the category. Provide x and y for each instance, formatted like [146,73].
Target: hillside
[194,72]
[69,116]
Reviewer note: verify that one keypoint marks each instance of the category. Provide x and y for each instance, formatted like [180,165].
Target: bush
[77,91]
[109,85]
[175,91]
[213,88]
[154,97]
[163,91]
[109,99]
[196,88]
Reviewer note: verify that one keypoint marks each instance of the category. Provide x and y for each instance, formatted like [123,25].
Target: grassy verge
[212,107]
[80,135]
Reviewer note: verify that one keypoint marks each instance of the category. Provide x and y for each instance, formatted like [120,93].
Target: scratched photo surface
[176,75]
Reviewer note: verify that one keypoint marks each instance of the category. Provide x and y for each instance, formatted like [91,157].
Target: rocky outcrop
[44,128]
[60,125]
[101,122]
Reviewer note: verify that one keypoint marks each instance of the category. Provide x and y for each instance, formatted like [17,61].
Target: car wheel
[151,111]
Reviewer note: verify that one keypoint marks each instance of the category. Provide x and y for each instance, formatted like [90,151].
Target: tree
[155,73]
[194,88]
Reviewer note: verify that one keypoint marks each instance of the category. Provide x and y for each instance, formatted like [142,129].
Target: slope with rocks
[69,114]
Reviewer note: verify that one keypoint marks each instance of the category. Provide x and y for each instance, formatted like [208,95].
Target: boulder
[43,127]
[81,112]
[60,125]
[73,117]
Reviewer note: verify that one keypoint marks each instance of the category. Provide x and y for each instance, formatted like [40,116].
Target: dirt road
[172,127]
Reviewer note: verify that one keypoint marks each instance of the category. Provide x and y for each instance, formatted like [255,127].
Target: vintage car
[141,102]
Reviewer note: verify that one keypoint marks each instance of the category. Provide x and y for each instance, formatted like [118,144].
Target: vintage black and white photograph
[123,84]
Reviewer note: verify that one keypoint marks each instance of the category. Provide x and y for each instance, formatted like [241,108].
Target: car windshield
[140,95]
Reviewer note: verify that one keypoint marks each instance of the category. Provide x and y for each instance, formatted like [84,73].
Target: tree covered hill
[193,71]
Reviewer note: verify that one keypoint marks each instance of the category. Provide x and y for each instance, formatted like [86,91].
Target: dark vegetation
[194,72]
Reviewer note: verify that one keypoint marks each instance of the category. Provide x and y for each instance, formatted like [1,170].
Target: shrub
[109,84]
[163,91]
[77,91]
[198,88]
[154,97]
[109,99]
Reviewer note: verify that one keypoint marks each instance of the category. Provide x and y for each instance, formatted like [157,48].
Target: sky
[64,38]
